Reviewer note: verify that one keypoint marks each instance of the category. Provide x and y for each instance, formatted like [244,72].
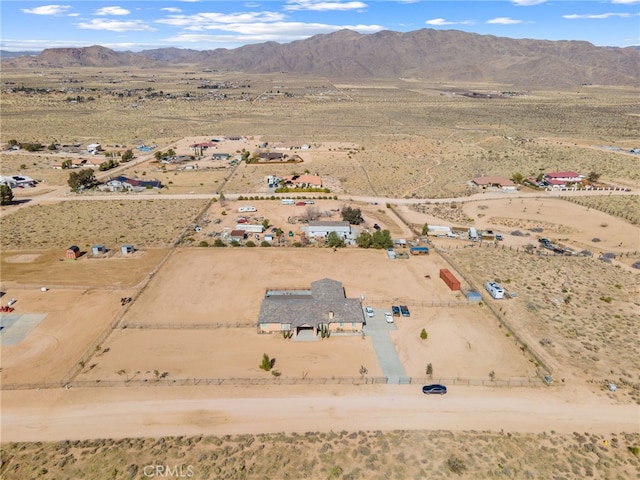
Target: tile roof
[312,309]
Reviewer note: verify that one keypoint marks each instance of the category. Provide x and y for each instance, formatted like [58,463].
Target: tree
[425,230]
[429,370]
[333,240]
[250,243]
[264,243]
[517,178]
[66,164]
[13,142]
[171,152]
[6,194]
[52,146]
[382,239]
[352,215]
[266,363]
[364,240]
[158,155]
[423,334]
[85,178]
[127,155]
[593,177]
[265,223]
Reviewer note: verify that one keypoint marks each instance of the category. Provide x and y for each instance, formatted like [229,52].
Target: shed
[419,250]
[72,252]
[237,235]
[391,254]
[98,249]
[452,282]
[127,248]
[474,297]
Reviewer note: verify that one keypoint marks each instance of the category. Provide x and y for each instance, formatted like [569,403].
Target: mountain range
[427,54]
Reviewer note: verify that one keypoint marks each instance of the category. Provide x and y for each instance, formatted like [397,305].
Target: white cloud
[321,6]
[503,21]
[264,32]
[116,26]
[596,16]
[112,11]
[527,3]
[171,10]
[442,21]
[625,2]
[47,10]
[205,21]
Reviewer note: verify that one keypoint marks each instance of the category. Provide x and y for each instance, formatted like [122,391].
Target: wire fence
[177,326]
[364,380]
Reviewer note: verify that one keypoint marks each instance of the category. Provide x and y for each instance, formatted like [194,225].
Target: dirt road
[151,412]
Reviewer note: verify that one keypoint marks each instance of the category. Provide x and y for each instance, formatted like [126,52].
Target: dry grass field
[340,454]
[401,139]
[143,223]
[412,139]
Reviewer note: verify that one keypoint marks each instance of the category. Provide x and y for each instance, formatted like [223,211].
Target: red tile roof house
[324,305]
[303,181]
[562,178]
[502,183]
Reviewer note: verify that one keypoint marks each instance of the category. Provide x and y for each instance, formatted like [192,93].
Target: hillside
[428,54]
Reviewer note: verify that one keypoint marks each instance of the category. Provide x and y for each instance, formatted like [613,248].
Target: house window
[263,326]
[354,325]
[341,324]
[285,326]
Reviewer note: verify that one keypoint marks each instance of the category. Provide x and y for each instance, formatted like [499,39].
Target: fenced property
[184,382]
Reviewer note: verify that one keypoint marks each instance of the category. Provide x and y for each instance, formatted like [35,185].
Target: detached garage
[72,252]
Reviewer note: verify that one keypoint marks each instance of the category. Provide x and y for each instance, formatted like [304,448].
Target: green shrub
[424,334]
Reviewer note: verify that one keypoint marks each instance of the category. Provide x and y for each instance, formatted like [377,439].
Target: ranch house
[323,306]
[501,183]
[562,178]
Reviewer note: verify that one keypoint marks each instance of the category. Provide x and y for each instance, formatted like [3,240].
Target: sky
[207,25]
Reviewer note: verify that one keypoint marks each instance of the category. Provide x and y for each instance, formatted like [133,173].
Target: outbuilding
[72,252]
[419,250]
[98,249]
[127,248]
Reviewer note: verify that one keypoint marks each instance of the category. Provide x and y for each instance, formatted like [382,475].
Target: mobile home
[495,290]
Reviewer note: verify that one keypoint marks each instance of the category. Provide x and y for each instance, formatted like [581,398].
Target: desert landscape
[131,364]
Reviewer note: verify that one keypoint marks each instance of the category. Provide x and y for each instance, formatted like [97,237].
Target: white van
[288,201]
[247,209]
[495,290]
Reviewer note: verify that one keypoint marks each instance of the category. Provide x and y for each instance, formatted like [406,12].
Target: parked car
[434,389]
[396,310]
[404,310]
[388,317]
[498,237]
[290,233]
[370,312]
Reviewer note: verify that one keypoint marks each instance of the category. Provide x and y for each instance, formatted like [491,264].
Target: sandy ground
[155,412]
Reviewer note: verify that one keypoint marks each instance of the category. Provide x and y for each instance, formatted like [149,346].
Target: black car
[396,310]
[404,310]
[434,389]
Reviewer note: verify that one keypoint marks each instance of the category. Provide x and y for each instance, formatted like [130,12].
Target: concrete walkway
[378,329]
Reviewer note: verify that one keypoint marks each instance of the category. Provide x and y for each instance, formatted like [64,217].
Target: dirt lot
[75,318]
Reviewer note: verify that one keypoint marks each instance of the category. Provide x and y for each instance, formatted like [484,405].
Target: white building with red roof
[562,178]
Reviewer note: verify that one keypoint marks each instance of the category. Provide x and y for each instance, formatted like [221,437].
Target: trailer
[452,282]
[419,250]
[495,290]
[250,228]
[247,208]
[288,201]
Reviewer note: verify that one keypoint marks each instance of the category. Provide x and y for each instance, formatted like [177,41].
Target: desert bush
[424,334]
[456,465]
